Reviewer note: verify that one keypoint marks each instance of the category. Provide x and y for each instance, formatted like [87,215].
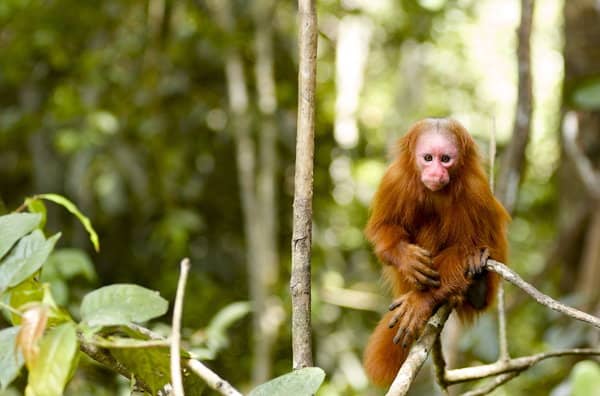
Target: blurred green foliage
[126,113]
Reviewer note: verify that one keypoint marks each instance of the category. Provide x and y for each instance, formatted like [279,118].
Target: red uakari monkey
[434,222]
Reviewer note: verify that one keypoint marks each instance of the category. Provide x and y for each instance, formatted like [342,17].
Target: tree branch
[418,352]
[512,365]
[212,379]
[490,386]
[538,296]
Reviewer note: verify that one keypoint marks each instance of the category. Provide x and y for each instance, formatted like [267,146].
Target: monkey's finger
[427,281]
[396,303]
[423,252]
[425,260]
[395,319]
[425,269]
[485,255]
[408,338]
[399,336]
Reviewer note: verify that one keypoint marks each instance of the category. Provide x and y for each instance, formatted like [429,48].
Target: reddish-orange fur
[452,224]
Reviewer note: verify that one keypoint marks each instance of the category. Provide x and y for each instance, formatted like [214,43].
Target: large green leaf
[50,372]
[152,367]
[121,304]
[14,226]
[11,360]
[303,382]
[26,258]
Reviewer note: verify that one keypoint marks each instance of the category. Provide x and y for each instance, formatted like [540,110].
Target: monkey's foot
[413,309]
[476,262]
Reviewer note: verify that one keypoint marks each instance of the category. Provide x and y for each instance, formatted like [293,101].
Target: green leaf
[121,304]
[50,372]
[67,264]
[11,360]
[587,96]
[26,292]
[152,366]
[35,205]
[26,258]
[585,378]
[216,330]
[14,226]
[301,382]
[70,206]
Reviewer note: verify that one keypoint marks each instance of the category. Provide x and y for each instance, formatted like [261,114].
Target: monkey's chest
[436,234]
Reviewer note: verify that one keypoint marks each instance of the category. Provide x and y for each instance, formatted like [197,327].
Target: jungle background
[171,124]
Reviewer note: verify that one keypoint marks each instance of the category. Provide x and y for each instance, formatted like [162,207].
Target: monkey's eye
[428,157]
[445,158]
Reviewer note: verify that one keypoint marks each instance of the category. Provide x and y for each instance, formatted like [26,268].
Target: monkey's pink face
[436,155]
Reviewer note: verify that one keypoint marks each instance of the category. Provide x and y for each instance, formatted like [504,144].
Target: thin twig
[490,386]
[515,364]
[418,353]
[538,296]
[439,363]
[502,337]
[176,380]
[212,379]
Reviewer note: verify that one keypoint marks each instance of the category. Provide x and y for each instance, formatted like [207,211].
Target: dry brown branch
[418,352]
[420,349]
[176,380]
[538,296]
[212,379]
[300,282]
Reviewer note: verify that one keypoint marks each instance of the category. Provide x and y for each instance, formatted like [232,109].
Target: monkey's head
[438,147]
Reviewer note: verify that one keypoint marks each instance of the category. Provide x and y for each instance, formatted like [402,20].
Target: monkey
[434,222]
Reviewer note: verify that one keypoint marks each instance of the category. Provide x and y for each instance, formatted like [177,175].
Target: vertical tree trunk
[582,63]
[352,51]
[269,316]
[246,164]
[303,184]
[514,157]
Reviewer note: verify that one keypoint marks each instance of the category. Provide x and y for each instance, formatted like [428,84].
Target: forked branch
[504,369]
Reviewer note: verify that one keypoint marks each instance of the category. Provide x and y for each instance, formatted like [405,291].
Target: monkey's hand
[413,309]
[476,262]
[414,264]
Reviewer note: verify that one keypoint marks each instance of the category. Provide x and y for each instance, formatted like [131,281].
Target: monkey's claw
[476,262]
[411,313]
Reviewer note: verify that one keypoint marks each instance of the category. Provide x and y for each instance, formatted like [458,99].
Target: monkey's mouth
[435,186]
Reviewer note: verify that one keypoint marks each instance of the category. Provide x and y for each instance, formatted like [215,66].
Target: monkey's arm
[412,262]
[413,309]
